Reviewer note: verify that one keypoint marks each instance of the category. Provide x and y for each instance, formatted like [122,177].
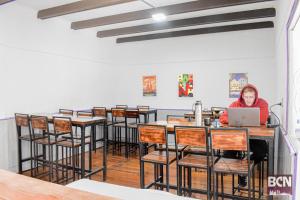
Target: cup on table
[207,122]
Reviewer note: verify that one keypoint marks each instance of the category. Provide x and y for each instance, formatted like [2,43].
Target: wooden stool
[155,134]
[196,137]
[232,139]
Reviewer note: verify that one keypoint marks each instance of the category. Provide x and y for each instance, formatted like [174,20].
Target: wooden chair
[154,134]
[198,137]
[66,112]
[232,139]
[122,106]
[24,134]
[144,108]
[101,112]
[69,149]
[40,124]
[118,123]
[131,141]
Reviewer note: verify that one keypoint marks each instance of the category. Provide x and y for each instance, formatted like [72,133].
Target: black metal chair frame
[29,139]
[117,131]
[189,168]
[131,139]
[158,167]
[250,173]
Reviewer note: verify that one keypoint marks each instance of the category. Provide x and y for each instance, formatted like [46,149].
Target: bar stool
[23,121]
[40,124]
[232,139]
[174,119]
[69,148]
[100,112]
[131,141]
[122,106]
[118,123]
[155,134]
[143,108]
[66,112]
[198,137]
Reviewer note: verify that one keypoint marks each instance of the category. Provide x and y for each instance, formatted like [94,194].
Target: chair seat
[27,137]
[46,142]
[132,125]
[235,166]
[171,147]
[67,143]
[195,150]
[119,124]
[159,157]
[193,160]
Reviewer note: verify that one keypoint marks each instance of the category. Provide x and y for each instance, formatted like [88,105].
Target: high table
[83,123]
[16,187]
[260,133]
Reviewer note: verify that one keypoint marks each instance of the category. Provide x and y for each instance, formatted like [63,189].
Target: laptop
[243,117]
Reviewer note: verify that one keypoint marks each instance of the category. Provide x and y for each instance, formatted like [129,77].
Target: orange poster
[149,85]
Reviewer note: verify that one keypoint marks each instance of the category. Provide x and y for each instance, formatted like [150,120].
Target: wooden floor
[125,172]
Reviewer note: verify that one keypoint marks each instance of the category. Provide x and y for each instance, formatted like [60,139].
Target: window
[294,73]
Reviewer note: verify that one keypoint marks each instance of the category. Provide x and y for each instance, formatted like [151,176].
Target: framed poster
[185,85]
[149,85]
[236,82]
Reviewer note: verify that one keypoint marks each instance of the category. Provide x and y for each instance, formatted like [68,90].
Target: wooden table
[82,123]
[145,112]
[15,187]
[260,133]
[205,114]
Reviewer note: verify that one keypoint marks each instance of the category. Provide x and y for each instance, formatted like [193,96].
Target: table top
[261,131]
[15,186]
[78,120]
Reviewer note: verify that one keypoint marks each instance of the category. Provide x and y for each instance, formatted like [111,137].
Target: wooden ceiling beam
[168,10]
[78,6]
[217,29]
[5,1]
[235,16]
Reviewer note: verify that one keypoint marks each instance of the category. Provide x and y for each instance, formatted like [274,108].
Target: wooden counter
[19,187]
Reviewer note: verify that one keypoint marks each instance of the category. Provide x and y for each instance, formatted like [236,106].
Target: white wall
[283,11]
[45,65]
[210,58]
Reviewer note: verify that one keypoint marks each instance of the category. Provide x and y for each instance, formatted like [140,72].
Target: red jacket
[260,103]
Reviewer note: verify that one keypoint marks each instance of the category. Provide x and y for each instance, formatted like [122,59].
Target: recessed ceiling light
[159,17]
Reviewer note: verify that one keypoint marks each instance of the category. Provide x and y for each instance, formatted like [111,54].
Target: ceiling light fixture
[159,17]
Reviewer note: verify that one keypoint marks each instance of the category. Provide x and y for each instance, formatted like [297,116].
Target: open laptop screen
[243,117]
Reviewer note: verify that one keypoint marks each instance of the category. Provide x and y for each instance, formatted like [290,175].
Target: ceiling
[140,5]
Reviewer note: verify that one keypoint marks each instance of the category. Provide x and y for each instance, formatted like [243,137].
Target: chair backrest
[132,114]
[84,114]
[22,120]
[62,125]
[141,107]
[177,118]
[229,139]
[99,111]
[122,106]
[192,136]
[118,112]
[39,123]
[66,112]
[152,134]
